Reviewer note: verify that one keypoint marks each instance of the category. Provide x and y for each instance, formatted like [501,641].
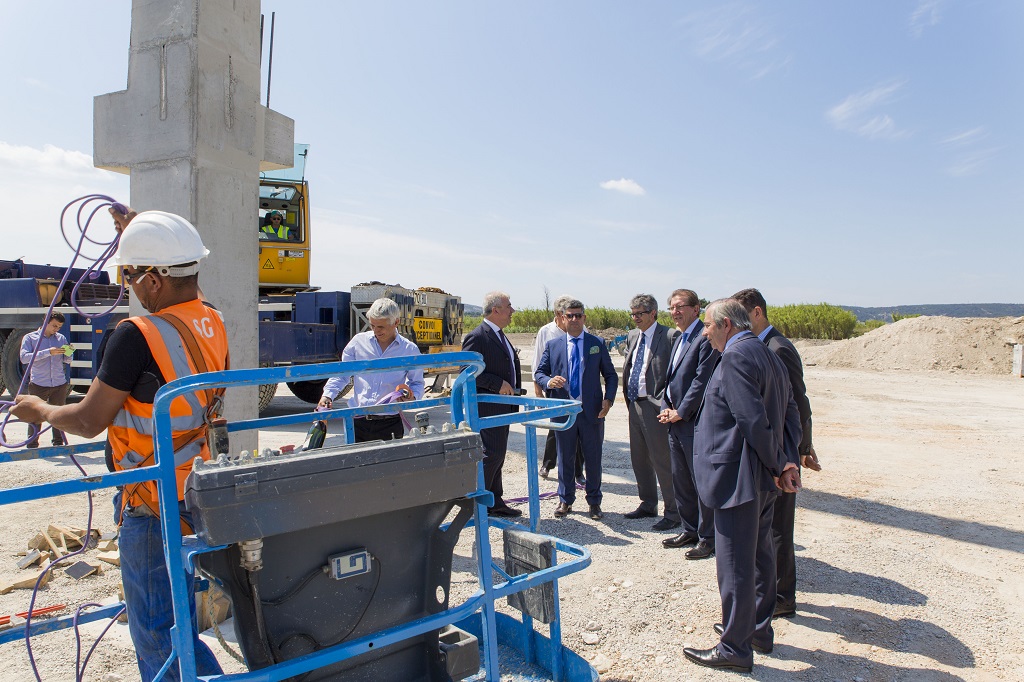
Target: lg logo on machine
[204,327]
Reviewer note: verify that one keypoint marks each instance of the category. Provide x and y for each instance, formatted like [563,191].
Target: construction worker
[274,227]
[159,256]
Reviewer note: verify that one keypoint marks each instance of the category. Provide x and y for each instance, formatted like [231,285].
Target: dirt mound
[980,345]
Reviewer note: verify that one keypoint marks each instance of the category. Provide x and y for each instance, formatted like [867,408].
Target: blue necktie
[574,370]
[633,388]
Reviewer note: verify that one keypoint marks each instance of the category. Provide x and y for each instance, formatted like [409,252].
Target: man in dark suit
[745,449]
[571,367]
[784,518]
[501,376]
[648,349]
[692,361]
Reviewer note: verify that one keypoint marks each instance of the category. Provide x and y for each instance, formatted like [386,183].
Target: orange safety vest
[131,434]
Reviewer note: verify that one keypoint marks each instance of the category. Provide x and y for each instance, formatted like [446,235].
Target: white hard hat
[157,238]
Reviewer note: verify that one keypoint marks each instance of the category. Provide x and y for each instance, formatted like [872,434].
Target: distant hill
[945,309]
[470,309]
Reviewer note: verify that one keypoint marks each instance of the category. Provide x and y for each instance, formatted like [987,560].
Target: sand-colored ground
[910,541]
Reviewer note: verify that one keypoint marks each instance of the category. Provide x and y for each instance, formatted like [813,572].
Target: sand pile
[969,345]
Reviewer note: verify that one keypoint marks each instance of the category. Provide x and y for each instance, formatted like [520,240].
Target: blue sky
[859,153]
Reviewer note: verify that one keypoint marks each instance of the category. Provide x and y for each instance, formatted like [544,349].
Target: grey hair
[572,304]
[560,304]
[644,301]
[728,308]
[384,309]
[493,299]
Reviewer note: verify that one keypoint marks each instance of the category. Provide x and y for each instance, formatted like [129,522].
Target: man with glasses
[693,361]
[159,255]
[501,376]
[571,367]
[553,330]
[274,227]
[648,351]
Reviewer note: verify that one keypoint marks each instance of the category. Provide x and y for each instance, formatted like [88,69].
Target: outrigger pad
[527,552]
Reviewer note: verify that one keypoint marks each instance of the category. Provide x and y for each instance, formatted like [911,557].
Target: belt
[379,417]
[140,512]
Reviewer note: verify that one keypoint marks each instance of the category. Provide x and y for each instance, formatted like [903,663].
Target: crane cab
[283,227]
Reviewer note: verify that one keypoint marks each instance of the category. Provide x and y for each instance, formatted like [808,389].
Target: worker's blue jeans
[147,592]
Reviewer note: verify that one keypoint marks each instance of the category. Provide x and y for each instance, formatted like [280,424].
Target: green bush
[863,328]
[897,316]
[806,321]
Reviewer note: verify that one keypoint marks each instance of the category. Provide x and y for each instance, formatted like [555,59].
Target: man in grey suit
[648,350]
[572,367]
[745,450]
[784,518]
[693,360]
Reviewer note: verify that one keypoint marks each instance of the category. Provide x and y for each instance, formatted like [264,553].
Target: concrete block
[1018,360]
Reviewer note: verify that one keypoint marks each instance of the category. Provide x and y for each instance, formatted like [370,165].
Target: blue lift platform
[514,645]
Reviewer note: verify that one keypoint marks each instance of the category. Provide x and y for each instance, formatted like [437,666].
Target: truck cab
[283,228]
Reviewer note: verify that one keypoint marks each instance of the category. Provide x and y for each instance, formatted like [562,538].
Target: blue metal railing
[179,552]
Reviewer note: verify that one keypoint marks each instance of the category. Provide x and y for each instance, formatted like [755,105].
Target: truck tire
[12,368]
[267,392]
[308,391]
[3,384]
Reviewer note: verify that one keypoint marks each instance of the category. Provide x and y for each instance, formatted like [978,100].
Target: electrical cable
[91,203]
[294,589]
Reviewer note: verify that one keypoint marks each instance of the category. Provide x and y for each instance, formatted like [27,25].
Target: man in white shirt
[554,330]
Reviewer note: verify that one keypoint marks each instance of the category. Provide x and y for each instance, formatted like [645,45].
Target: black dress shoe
[562,509]
[720,630]
[595,512]
[712,658]
[703,550]
[581,480]
[32,445]
[681,540]
[639,513]
[543,472]
[505,511]
[784,610]
[666,524]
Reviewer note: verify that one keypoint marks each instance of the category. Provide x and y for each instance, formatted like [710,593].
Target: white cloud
[735,34]
[43,181]
[927,13]
[625,186]
[859,113]
[969,157]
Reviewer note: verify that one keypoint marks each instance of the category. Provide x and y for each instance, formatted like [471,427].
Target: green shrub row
[806,321]
[821,321]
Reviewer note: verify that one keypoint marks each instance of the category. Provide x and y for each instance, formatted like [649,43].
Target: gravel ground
[909,547]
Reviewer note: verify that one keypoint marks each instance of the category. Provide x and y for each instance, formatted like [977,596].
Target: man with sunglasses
[274,227]
[571,367]
[648,352]
[159,255]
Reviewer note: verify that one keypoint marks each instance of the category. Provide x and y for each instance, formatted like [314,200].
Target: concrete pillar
[191,132]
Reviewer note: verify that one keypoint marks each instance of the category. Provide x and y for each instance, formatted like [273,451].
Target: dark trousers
[649,455]
[551,454]
[785,562]
[588,437]
[695,516]
[495,442]
[745,559]
[54,395]
[387,428]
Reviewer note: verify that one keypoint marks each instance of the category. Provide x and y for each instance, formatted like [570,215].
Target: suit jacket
[747,427]
[597,363]
[497,367]
[790,357]
[657,367]
[687,379]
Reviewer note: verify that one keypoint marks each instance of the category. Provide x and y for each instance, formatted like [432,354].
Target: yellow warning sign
[428,330]
[268,265]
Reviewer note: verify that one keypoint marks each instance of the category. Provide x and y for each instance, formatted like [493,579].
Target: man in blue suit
[692,361]
[571,367]
[745,451]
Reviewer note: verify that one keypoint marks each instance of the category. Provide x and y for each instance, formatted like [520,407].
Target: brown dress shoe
[562,510]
